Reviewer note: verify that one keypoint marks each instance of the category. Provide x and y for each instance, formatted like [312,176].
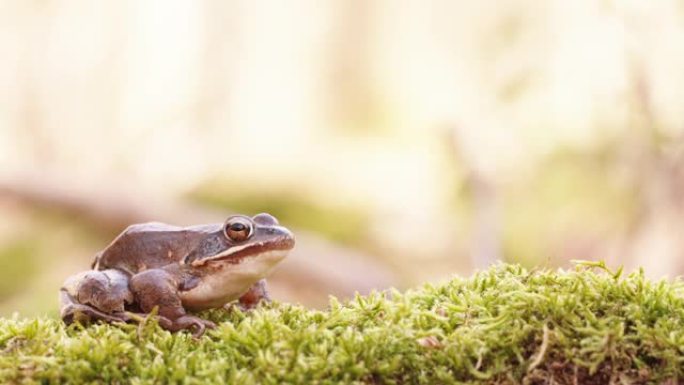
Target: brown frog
[177,269]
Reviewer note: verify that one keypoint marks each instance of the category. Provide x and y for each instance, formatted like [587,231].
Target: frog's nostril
[265,219]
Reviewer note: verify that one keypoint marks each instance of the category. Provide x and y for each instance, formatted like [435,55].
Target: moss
[504,325]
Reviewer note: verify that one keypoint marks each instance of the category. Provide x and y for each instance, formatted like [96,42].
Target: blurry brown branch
[486,240]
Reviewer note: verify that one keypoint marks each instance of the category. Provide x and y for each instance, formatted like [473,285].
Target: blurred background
[402,141]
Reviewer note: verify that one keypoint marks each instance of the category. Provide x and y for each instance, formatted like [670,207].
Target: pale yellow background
[467,132]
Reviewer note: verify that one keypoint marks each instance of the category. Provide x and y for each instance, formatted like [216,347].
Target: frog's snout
[286,239]
[280,237]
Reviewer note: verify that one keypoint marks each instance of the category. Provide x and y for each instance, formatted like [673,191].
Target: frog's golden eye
[238,229]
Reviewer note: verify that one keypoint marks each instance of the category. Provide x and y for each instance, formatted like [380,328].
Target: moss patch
[504,325]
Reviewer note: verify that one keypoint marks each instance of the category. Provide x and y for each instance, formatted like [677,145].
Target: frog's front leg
[254,296]
[158,288]
[95,296]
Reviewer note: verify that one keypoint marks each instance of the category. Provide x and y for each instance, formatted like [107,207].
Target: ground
[504,325]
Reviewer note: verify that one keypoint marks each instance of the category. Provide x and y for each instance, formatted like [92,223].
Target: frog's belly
[230,282]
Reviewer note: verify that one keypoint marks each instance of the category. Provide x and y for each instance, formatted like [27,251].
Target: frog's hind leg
[95,296]
[72,311]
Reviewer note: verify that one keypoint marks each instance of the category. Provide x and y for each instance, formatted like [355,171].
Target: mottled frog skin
[175,269]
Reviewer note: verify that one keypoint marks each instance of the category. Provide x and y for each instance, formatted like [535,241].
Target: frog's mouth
[273,247]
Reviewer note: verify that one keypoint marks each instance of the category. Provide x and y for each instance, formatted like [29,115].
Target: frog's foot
[185,322]
[73,311]
[254,296]
[189,322]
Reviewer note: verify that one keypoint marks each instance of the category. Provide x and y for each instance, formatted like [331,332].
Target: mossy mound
[504,325]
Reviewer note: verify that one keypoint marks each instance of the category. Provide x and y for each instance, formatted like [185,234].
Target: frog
[169,272]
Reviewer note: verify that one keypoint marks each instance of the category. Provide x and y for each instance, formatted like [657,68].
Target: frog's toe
[191,322]
[86,314]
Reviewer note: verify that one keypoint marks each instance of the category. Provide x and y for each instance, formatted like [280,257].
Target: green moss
[504,325]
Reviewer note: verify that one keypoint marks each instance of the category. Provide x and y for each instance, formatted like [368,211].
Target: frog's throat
[230,281]
[237,254]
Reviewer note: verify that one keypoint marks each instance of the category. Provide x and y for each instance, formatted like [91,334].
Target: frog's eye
[238,229]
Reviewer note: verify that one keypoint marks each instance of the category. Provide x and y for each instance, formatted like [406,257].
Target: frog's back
[149,245]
